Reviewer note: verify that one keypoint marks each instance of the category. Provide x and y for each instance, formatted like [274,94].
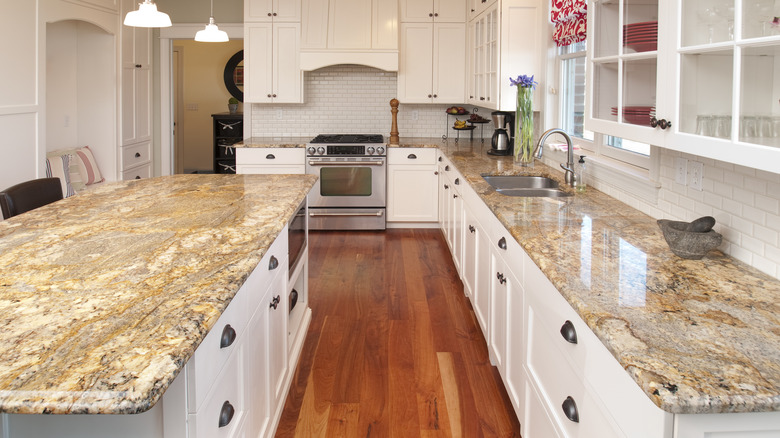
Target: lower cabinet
[411,185]
[270,161]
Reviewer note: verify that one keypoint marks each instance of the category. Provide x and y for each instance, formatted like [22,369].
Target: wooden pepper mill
[394,128]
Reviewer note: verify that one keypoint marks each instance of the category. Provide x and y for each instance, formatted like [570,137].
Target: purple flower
[524,81]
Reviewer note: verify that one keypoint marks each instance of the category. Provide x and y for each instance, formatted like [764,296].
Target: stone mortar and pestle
[691,240]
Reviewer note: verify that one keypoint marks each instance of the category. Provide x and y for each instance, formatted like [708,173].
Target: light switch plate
[696,169]
[680,171]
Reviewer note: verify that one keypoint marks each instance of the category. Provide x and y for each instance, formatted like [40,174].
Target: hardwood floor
[394,348]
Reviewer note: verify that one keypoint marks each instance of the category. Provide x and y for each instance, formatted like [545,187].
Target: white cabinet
[451,210]
[432,63]
[270,160]
[476,7]
[705,79]
[506,40]
[452,11]
[412,193]
[272,64]
[136,98]
[272,10]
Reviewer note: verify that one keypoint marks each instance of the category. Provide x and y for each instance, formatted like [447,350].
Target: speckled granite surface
[698,336]
[106,295]
[273,142]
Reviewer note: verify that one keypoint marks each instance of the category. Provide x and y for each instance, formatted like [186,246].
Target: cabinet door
[449,11]
[314,24]
[455,227]
[503,285]
[287,10]
[416,11]
[256,383]
[449,62]
[258,59]
[514,377]
[483,281]
[277,307]
[258,10]
[415,69]
[470,243]
[444,191]
[384,24]
[287,75]
[349,24]
[412,193]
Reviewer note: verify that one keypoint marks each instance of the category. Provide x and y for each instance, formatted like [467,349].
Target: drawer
[223,412]
[225,166]
[243,169]
[411,156]
[561,388]
[273,263]
[506,246]
[214,352]
[136,154]
[225,147]
[229,128]
[276,156]
[140,172]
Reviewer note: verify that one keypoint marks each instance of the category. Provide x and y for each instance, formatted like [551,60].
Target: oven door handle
[378,213]
[347,163]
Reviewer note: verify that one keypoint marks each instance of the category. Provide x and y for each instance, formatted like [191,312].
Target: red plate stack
[636,115]
[642,37]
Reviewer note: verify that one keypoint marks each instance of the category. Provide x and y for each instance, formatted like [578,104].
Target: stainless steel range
[350,192]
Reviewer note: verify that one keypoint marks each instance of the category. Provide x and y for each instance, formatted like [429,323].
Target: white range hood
[383,60]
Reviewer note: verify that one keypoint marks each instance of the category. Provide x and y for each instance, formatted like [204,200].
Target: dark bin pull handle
[226,414]
[228,336]
[568,332]
[411,156]
[502,243]
[570,409]
[270,157]
[273,263]
[457,181]
[293,299]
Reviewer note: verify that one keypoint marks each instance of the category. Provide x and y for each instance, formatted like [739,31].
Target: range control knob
[380,150]
[311,150]
[321,150]
[370,150]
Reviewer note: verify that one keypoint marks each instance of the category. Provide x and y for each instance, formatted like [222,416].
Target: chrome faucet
[569,177]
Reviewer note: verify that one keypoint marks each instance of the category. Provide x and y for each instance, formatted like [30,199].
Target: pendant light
[211,34]
[147,15]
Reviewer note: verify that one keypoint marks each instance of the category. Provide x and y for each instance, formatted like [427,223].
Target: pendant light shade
[147,15]
[211,34]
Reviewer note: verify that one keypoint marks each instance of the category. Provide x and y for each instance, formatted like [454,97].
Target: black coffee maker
[502,141]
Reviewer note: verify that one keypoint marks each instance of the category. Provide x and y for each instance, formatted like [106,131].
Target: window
[572,64]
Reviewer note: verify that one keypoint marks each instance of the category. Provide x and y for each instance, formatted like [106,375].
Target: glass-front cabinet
[699,76]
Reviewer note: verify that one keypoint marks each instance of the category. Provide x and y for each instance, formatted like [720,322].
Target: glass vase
[524,127]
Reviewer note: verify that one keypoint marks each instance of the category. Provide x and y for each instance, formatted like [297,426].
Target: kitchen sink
[523,185]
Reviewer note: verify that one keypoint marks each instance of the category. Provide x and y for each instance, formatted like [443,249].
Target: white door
[415,70]
[287,76]
[258,61]
[449,63]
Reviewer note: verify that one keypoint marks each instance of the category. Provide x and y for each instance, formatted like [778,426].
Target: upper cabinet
[698,77]
[506,41]
[432,63]
[349,32]
[476,7]
[444,11]
[272,10]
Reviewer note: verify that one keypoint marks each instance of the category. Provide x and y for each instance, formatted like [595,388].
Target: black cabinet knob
[228,336]
[270,157]
[569,332]
[454,196]
[226,414]
[275,302]
[502,243]
[501,278]
[274,14]
[662,123]
[269,14]
[436,172]
[435,96]
[481,98]
[472,229]
[436,14]
[411,156]
[439,159]
[446,187]
[269,95]
[138,66]
[273,263]
[274,95]
[431,14]
[457,181]
[570,409]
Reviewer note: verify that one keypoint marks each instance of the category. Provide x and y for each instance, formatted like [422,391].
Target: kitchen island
[104,297]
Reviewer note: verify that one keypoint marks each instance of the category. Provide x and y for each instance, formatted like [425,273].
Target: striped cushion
[74,173]
[58,167]
[90,174]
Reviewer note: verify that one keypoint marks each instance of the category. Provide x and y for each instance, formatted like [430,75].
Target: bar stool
[29,195]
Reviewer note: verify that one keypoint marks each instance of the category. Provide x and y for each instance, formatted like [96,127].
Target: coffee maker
[502,141]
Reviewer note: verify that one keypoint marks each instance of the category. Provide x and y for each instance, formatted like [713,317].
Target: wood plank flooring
[394,348]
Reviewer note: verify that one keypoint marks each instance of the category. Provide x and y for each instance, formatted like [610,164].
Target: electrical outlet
[697,175]
[192,107]
[279,114]
[680,171]
[415,115]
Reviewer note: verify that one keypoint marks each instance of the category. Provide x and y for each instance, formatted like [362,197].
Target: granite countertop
[105,296]
[273,142]
[698,336]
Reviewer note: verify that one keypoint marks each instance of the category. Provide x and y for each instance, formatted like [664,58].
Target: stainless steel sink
[524,185]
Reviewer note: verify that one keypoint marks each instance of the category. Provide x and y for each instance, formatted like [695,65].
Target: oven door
[347,181]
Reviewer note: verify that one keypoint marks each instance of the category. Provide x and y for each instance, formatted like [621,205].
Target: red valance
[569,18]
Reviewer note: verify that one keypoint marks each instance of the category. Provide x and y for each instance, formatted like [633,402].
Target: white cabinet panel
[449,64]
[415,67]
[453,11]
[272,63]
[272,10]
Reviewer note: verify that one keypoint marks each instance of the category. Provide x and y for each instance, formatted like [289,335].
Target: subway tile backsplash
[356,99]
[351,99]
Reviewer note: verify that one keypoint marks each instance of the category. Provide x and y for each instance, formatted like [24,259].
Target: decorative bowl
[685,241]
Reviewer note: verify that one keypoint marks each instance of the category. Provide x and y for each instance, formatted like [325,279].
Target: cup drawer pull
[228,336]
[570,410]
[226,414]
[569,332]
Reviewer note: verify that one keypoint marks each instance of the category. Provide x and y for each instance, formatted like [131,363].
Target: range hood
[383,60]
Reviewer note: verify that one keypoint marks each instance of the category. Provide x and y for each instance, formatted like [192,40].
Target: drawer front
[225,147]
[140,172]
[412,156]
[562,389]
[229,128]
[275,156]
[226,166]
[223,412]
[137,154]
[506,246]
[215,350]
[270,170]
[273,263]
